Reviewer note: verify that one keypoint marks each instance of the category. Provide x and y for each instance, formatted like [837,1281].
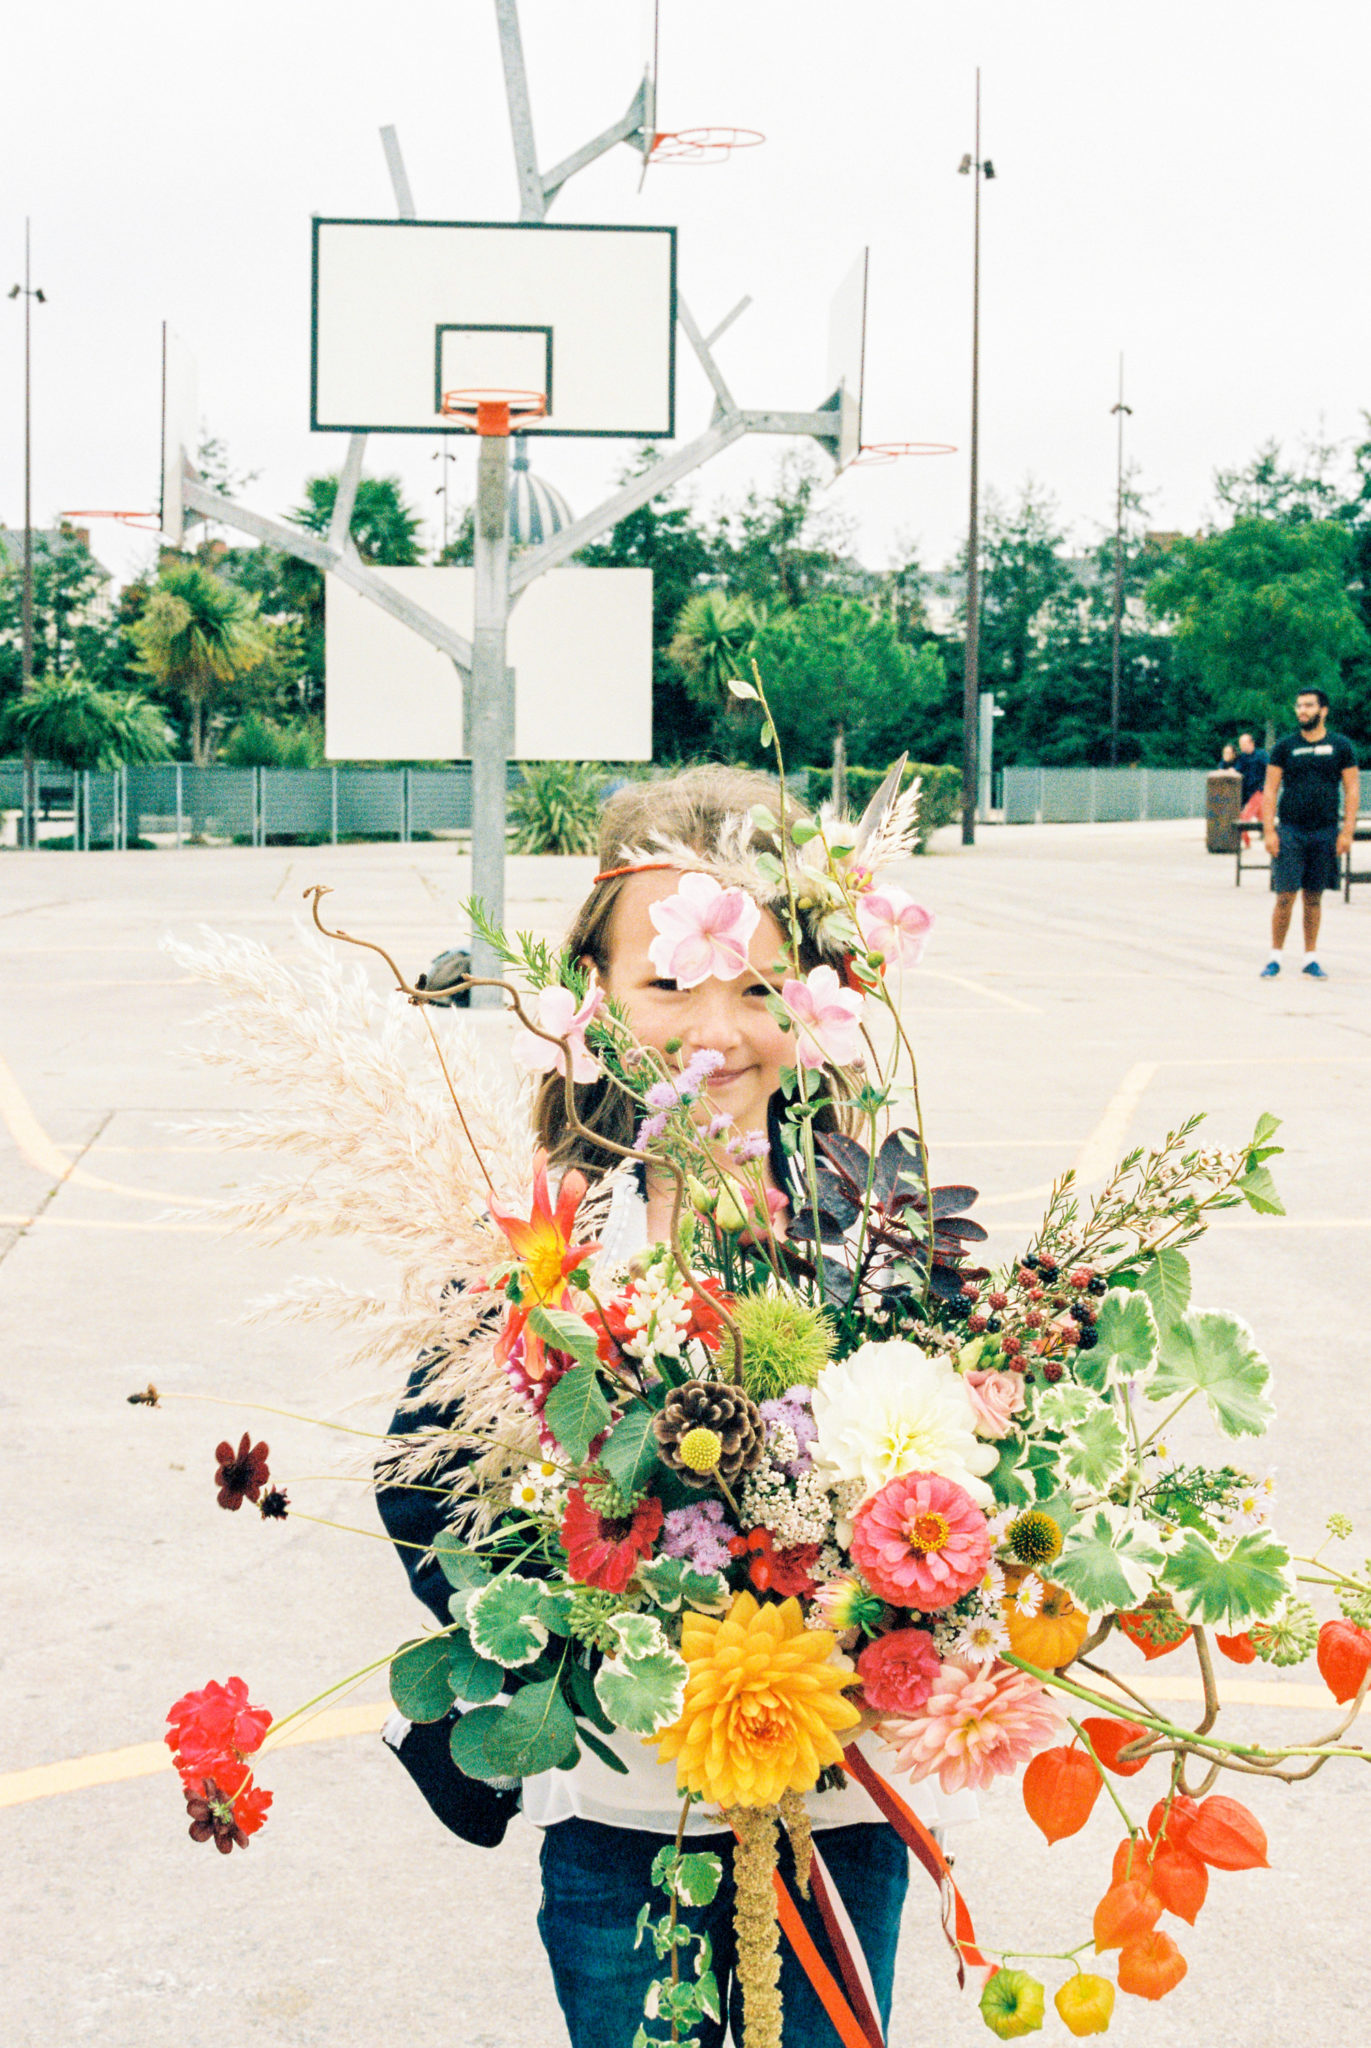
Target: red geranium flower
[241,1474]
[604,1550]
[225,1821]
[215,1727]
[786,1572]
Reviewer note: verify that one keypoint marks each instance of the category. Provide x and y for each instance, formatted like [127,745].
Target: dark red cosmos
[241,1474]
[225,1821]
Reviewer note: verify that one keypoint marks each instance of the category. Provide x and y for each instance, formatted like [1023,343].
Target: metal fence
[1101,796]
[252,806]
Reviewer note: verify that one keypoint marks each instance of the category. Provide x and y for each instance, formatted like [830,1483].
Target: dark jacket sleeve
[414,1515]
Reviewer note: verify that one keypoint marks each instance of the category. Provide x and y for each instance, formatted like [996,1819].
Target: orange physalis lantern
[1173,1818]
[1060,1787]
[1344,1656]
[1151,1966]
[1126,1912]
[1109,1737]
[1225,1834]
[1240,1649]
[1180,1881]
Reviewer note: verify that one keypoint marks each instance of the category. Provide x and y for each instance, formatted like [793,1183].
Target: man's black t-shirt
[1311,780]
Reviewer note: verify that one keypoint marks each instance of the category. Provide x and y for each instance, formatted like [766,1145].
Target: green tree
[833,665]
[68,720]
[384,529]
[783,546]
[1261,611]
[72,621]
[197,637]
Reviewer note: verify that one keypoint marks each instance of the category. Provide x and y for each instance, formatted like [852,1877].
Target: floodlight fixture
[987,169]
[964,167]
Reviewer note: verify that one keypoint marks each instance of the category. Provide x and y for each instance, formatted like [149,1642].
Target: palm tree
[67,720]
[198,633]
[713,642]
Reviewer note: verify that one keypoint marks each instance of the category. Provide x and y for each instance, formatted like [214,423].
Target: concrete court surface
[1086,988]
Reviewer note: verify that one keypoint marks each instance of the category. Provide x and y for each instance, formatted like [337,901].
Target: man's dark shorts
[1307,860]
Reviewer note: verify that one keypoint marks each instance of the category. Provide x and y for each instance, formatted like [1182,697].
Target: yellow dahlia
[763,1704]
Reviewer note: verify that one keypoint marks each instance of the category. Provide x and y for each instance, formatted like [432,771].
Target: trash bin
[1222,802]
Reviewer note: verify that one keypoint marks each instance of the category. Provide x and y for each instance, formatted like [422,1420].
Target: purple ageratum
[667,1095]
[700,1533]
[794,1410]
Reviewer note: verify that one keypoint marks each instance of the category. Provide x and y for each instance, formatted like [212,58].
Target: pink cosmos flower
[827,1019]
[557,1013]
[898,1671]
[978,1722]
[893,924]
[703,929]
[995,1396]
[921,1541]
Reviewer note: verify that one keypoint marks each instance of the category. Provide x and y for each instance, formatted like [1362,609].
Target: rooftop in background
[56,538]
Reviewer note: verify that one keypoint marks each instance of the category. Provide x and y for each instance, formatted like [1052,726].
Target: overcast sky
[1184,182]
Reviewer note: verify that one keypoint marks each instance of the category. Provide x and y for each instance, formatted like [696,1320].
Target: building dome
[536,509]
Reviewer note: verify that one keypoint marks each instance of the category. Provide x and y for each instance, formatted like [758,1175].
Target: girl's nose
[714,1019]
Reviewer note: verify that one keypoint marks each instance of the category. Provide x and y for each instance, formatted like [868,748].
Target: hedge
[940,797]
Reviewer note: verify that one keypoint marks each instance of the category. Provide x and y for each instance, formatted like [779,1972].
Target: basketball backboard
[180,431]
[580,643]
[847,360]
[405,311]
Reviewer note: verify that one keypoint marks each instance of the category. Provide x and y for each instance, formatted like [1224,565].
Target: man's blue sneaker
[1271,970]
[1314,971]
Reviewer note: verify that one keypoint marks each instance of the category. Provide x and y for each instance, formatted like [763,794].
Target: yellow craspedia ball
[701,1449]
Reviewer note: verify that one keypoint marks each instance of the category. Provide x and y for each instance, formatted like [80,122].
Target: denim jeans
[596,1879]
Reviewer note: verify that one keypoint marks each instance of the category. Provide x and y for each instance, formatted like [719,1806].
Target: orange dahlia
[763,1704]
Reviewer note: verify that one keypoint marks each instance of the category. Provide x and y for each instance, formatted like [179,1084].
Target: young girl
[602,1830]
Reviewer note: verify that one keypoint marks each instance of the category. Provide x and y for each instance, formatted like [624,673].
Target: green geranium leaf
[1165,1280]
[1214,1353]
[1229,1586]
[419,1682]
[1063,1406]
[577,1412]
[695,1879]
[565,1332]
[505,1621]
[1096,1450]
[642,1685]
[473,1678]
[629,1452]
[671,1582]
[535,1732]
[1042,1463]
[1004,1480]
[1125,1341]
[1258,1190]
[1108,1562]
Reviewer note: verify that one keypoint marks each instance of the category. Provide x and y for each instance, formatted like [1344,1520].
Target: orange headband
[637,867]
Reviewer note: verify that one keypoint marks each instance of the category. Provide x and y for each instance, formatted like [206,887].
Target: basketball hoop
[876,454]
[143,522]
[491,411]
[701,145]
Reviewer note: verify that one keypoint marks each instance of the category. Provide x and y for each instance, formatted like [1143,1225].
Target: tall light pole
[1116,647]
[29,820]
[973,165]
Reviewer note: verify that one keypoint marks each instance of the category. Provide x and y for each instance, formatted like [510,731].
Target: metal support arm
[628,128]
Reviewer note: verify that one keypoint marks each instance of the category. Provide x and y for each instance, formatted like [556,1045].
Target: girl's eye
[760,988]
[662,982]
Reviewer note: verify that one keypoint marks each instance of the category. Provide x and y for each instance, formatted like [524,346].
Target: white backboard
[580,643]
[180,431]
[847,358]
[404,310]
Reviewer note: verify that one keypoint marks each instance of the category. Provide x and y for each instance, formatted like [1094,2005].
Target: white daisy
[983,1637]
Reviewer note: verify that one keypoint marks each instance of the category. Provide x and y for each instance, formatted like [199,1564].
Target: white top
[647,1797]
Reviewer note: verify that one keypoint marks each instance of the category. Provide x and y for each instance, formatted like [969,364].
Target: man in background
[1251,765]
[1309,816]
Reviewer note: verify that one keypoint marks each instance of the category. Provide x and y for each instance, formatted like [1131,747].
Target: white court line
[1101,1149]
[979,989]
[46,1221]
[34,1145]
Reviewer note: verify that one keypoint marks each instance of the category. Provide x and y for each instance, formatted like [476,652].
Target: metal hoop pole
[489,703]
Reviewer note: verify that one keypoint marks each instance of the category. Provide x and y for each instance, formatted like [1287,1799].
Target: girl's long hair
[692,810]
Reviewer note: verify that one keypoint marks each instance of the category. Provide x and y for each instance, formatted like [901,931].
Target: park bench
[1350,873]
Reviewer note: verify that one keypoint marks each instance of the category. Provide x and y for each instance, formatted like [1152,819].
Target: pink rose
[898,1671]
[994,1396]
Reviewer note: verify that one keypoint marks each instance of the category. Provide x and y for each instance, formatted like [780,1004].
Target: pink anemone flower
[894,925]
[558,1014]
[827,1018]
[702,930]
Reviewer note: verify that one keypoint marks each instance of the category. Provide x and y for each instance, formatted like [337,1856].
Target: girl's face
[729,1017]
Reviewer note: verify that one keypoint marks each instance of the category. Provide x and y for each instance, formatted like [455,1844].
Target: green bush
[556,807]
[940,796]
[260,742]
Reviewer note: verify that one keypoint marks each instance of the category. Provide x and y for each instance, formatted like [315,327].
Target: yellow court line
[1100,1152]
[151,1759]
[34,1145]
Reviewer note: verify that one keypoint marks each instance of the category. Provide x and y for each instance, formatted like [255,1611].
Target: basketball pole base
[490,705]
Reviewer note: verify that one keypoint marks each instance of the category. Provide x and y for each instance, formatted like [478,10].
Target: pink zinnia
[559,1014]
[921,1541]
[979,1722]
[894,925]
[702,930]
[827,1019]
[898,1671]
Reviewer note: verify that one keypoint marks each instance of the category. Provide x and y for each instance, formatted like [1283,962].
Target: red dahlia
[604,1550]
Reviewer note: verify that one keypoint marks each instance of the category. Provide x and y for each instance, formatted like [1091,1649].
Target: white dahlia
[890,1409]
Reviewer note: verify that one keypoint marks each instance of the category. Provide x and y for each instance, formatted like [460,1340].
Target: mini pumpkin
[1051,1637]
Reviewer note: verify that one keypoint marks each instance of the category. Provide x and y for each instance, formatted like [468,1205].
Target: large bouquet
[744,1494]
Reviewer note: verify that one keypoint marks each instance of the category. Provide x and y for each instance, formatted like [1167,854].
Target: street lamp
[28,825]
[1115,653]
[973,164]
